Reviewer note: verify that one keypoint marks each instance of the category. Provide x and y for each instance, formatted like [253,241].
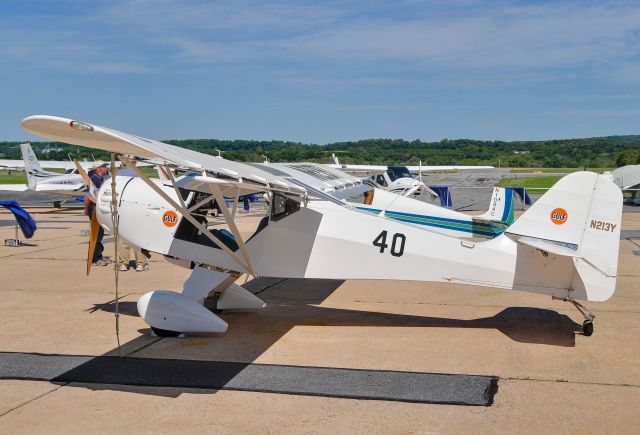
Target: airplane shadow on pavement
[250,334]
[301,308]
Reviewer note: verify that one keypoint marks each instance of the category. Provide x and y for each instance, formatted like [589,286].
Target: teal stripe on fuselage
[474,228]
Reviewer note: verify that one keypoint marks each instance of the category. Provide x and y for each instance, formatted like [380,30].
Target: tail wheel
[587,328]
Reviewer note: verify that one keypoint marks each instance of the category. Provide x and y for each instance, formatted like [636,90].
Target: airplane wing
[378,169]
[359,169]
[94,136]
[48,164]
[12,164]
[319,176]
[13,187]
[73,191]
[416,169]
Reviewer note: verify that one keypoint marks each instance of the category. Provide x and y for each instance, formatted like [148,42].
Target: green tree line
[607,151]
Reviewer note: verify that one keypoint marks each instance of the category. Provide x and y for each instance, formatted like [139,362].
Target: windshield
[396,172]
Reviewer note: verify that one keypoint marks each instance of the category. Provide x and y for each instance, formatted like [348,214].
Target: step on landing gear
[589,317]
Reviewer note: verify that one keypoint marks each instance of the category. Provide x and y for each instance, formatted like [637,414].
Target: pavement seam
[144,346]
[34,399]
[39,250]
[634,242]
[270,286]
[566,381]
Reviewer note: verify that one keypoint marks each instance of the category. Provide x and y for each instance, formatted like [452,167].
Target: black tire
[165,332]
[57,204]
[587,328]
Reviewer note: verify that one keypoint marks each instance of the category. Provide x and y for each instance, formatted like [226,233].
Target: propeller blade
[93,236]
[83,174]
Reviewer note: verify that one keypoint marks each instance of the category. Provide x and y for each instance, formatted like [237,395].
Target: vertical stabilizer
[335,159]
[31,165]
[579,219]
[501,207]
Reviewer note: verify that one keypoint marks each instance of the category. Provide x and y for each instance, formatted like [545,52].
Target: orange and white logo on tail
[170,218]
[559,216]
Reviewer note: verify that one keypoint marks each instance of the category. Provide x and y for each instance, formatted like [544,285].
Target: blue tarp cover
[25,221]
[444,194]
[523,195]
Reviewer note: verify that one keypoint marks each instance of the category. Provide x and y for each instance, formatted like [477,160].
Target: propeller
[93,237]
[94,228]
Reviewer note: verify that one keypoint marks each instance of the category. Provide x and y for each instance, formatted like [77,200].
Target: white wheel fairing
[174,312]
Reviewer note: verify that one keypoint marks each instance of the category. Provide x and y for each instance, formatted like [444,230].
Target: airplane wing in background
[12,164]
[377,169]
[417,169]
[360,169]
[48,164]
[14,187]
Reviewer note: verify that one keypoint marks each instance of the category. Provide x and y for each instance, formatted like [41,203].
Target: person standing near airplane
[96,174]
[124,250]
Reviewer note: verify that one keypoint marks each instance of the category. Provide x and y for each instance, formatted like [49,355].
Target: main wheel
[165,332]
[587,328]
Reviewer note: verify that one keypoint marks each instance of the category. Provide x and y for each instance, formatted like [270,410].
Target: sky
[324,71]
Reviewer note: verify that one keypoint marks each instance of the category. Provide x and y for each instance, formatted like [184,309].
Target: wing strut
[232,225]
[184,212]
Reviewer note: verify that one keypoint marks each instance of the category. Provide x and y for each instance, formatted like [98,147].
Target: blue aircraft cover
[523,195]
[26,222]
[444,194]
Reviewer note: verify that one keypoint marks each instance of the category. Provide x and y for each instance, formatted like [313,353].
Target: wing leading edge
[94,136]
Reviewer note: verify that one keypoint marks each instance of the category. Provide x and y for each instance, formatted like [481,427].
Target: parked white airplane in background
[39,180]
[19,165]
[566,244]
[394,206]
[399,179]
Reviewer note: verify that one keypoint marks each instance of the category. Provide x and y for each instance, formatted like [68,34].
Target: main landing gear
[589,317]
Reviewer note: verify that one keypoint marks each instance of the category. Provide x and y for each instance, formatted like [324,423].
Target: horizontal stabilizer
[550,246]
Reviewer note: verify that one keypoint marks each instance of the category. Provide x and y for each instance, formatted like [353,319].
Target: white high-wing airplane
[39,180]
[565,245]
[20,165]
[399,179]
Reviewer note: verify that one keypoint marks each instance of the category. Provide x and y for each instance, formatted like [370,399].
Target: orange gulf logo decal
[559,216]
[170,218]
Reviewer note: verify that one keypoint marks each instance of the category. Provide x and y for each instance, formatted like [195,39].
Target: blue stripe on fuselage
[441,222]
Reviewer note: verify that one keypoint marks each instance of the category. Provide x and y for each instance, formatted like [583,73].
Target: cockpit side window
[396,172]
[381,181]
[282,206]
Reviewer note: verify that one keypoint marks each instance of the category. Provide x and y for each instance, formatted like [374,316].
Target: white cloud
[468,40]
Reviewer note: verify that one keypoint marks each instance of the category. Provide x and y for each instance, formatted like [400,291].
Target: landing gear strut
[587,325]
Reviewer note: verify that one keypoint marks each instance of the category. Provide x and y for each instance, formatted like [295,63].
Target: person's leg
[97,254]
[124,252]
[142,262]
[140,257]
